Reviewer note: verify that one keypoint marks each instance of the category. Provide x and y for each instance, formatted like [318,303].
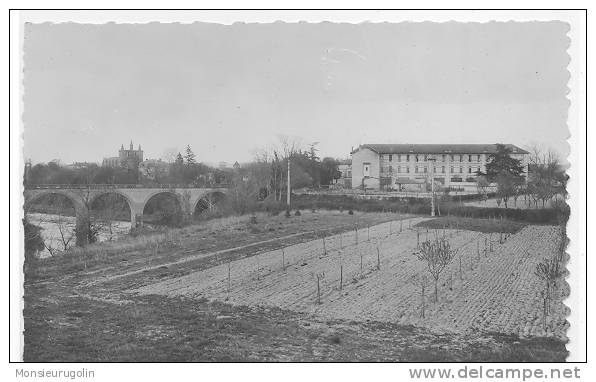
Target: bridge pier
[82,226]
[136,214]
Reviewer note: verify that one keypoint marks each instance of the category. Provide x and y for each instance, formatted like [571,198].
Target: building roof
[383,148]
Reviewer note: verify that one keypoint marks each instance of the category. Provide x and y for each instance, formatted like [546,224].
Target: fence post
[378,259]
[341,276]
[461,277]
[491,241]
[229,266]
[318,291]
[361,272]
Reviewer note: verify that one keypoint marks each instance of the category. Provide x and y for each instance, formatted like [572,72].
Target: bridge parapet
[116,186]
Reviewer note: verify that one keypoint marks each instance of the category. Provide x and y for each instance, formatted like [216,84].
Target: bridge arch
[208,201]
[179,206]
[80,209]
[32,198]
[129,202]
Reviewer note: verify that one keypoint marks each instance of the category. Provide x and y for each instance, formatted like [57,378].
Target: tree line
[546,177]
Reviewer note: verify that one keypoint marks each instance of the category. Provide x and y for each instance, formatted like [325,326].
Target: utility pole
[289,187]
[432,186]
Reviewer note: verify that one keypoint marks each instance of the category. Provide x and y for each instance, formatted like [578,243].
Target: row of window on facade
[425,157]
[425,169]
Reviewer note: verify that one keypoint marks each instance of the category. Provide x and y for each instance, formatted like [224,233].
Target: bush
[33,240]
[539,216]
[297,213]
[272,206]
[350,212]
[470,197]
[341,202]
[419,206]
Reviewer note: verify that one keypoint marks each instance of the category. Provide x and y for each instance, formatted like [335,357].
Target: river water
[53,225]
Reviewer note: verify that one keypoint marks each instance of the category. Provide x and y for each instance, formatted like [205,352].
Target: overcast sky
[226,90]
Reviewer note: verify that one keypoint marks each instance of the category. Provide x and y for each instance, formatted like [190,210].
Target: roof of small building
[384,148]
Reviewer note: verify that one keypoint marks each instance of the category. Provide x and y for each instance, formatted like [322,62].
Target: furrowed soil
[173,302]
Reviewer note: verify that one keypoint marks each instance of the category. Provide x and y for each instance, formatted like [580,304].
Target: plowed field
[367,276]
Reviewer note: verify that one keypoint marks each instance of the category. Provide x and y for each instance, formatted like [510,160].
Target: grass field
[165,296]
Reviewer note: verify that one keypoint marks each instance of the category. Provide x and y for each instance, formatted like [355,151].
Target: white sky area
[227,90]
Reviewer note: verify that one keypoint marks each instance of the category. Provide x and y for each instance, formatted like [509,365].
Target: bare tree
[169,155]
[420,281]
[549,271]
[66,233]
[546,178]
[482,186]
[506,186]
[111,208]
[437,254]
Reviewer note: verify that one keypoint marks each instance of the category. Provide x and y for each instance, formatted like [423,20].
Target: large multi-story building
[409,167]
[129,159]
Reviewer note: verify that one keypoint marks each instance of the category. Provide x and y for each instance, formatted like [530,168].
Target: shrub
[33,240]
[297,213]
[350,212]
[341,202]
[539,216]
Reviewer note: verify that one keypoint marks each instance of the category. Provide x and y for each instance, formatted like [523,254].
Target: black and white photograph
[295,191]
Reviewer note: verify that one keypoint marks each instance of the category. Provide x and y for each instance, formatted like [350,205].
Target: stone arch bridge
[137,196]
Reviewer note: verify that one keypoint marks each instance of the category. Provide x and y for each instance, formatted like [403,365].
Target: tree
[108,209]
[506,171]
[189,157]
[437,254]
[546,177]
[549,271]
[501,161]
[507,185]
[177,169]
[329,170]
[153,172]
[312,152]
[169,155]
[420,281]
[482,185]
[33,240]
